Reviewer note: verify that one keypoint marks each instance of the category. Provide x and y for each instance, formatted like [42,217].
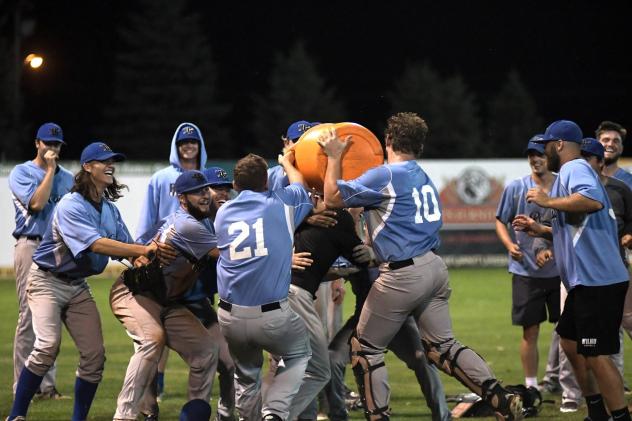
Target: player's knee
[442,354]
[626,323]
[43,355]
[203,359]
[152,345]
[225,365]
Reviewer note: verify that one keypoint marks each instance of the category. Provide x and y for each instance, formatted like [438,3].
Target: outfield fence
[469,192]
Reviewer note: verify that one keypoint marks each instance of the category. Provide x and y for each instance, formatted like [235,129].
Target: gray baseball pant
[281,332]
[54,301]
[24,335]
[423,290]
[317,373]
[152,326]
[225,367]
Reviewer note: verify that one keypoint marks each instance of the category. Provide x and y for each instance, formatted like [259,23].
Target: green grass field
[480,305]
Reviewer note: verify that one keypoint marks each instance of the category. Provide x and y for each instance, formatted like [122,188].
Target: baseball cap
[592,146]
[533,144]
[297,128]
[562,130]
[217,177]
[50,132]
[99,151]
[190,181]
[196,409]
[188,131]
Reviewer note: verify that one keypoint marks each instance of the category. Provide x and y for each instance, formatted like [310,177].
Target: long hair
[85,187]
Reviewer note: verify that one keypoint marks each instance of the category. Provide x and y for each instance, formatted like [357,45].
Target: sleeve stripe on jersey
[57,236]
[389,209]
[289,220]
[23,210]
[580,230]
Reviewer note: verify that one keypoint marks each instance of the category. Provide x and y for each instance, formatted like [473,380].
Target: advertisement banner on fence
[470,191]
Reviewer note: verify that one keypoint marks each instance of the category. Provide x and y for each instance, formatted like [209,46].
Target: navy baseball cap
[563,130]
[50,132]
[188,132]
[533,144]
[195,410]
[217,177]
[592,146]
[99,151]
[190,181]
[297,129]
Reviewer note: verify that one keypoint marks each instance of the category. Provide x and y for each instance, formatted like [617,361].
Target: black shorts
[532,297]
[592,317]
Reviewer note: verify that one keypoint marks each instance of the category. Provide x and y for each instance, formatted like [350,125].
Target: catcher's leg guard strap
[362,370]
[448,361]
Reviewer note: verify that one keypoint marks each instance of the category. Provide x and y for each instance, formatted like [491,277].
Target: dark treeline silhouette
[159,69]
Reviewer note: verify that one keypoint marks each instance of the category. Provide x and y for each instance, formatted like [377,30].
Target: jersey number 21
[244,232]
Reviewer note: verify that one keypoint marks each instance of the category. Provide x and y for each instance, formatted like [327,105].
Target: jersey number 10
[244,233]
[428,194]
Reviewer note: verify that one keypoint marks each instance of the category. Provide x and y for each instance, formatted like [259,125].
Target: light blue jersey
[161,200]
[23,181]
[513,202]
[624,176]
[585,246]
[277,179]
[402,209]
[194,240]
[76,225]
[255,236]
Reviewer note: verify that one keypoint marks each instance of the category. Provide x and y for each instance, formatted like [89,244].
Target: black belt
[32,237]
[61,276]
[400,264]
[264,308]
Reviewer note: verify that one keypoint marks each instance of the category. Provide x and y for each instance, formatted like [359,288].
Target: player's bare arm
[334,148]
[576,202]
[324,219]
[42,193]
[110,247]
[531,227]
[287,162]
[503,234]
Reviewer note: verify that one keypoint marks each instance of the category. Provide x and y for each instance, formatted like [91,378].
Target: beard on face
[553,160]
[195,211]
[611,160]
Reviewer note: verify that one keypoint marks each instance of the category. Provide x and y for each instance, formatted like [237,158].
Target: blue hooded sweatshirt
[161,200]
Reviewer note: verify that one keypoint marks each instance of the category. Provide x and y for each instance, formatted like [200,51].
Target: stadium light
[34,61]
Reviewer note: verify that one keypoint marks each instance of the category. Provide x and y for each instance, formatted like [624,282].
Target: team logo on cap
[188,130]
[55,131]
[221,174]
[197,176]
[105,148]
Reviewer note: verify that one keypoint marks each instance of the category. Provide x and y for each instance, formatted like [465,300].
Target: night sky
[573,56]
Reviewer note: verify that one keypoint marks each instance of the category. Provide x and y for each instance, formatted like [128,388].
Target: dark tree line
[164,73]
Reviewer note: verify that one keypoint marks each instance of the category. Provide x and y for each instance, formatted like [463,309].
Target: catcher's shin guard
[507,405]
[362,371]
[448,361]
